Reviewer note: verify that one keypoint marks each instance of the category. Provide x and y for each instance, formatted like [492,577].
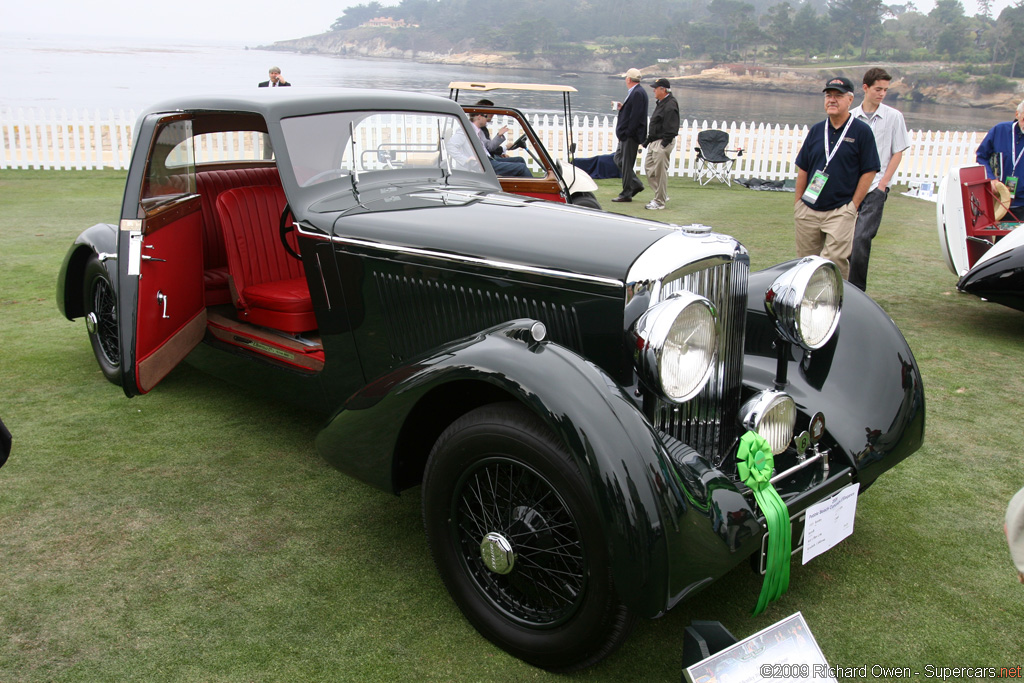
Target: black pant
[868,219]
[625,159]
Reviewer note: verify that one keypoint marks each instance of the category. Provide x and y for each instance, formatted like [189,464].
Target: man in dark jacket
[661,138]
[275,79]
[631,131]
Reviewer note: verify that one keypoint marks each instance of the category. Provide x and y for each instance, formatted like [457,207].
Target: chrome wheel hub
[90,323]
[497,554]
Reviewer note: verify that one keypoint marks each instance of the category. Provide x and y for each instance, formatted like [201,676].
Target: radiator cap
[695,229]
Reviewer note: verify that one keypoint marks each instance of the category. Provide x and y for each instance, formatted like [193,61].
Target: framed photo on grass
[786,650]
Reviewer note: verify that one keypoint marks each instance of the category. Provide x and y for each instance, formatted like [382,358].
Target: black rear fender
[99,239]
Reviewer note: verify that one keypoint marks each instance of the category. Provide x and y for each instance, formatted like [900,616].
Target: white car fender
[575,179]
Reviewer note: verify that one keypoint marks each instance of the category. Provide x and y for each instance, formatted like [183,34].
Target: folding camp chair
[712,161]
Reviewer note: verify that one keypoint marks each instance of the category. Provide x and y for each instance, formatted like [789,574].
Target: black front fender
[865,381]
[619,454]
[99,239]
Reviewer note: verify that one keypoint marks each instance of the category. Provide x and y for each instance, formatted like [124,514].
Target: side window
[170,173]
[230,146]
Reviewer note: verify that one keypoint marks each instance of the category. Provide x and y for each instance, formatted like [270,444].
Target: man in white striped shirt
[891,139]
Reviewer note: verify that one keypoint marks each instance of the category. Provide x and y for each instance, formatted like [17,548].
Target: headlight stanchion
[782,348]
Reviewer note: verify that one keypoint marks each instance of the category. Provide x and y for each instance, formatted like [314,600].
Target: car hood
[496,227]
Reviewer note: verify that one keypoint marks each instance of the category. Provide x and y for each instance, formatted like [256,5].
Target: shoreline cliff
[915,81]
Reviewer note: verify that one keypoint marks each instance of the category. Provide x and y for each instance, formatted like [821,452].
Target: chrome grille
[421,314]
[708,422]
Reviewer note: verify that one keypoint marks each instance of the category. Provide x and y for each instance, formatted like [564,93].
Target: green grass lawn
[194,534]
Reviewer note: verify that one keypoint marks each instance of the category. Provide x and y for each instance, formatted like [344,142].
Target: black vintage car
[569,388]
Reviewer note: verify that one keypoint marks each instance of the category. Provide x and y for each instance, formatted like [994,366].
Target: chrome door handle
[161,298]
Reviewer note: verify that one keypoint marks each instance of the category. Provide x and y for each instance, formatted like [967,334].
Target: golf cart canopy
[456,86]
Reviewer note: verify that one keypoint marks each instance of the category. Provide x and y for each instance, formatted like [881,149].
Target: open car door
[159,254]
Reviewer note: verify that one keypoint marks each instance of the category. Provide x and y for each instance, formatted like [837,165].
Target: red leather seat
[209,185]
[268,285]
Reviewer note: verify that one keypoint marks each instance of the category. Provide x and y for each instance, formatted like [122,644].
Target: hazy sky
[253,22]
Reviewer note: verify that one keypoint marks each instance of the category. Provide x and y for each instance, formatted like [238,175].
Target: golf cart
[562,182]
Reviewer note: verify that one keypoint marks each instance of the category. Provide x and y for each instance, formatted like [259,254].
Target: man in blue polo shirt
[835,167]
[1000,153]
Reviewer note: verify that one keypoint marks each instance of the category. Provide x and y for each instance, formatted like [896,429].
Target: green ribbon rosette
[755,463]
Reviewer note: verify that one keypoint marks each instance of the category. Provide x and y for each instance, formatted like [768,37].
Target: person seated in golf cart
[511,166]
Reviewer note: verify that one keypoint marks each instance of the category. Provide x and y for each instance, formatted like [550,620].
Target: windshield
[324,147]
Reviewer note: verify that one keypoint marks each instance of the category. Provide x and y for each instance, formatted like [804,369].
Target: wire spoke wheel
[546,578]
[105,309]
[516,536]
[101,319]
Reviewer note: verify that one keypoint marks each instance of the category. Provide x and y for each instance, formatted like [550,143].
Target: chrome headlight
[805,301]
[675,345]
[772,414]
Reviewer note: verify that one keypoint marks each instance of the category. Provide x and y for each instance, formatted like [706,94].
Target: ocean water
[125,74]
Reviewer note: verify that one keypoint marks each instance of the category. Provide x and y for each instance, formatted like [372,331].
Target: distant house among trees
[386,22]
[572,35]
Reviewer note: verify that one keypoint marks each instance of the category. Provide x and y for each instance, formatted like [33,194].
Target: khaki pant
[656,164]
[828,234]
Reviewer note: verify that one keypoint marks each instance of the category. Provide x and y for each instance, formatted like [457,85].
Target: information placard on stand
[785,650]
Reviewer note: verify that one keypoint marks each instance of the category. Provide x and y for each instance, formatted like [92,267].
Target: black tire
[585,199]
[100,306]
[499,470]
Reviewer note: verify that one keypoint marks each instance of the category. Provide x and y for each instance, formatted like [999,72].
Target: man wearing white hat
[631,131]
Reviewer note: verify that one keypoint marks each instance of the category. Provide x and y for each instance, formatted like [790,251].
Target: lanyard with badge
[819,178]
[1011,180]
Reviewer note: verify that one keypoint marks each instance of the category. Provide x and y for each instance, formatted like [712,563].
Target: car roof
[280,103]
[484,86]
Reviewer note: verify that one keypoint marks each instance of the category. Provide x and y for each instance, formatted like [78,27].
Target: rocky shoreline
[762,78]
[809,80]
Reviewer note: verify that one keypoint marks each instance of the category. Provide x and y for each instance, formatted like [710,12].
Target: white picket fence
[34,139]
[79,140]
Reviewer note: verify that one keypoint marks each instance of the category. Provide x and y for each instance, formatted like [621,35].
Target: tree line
[568,32]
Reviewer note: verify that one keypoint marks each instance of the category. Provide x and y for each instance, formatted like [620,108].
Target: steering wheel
[324,175]
[519,143]
[384,157]
[285,229]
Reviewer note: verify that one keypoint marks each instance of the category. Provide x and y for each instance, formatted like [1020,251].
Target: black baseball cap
[839,83]
[662,83]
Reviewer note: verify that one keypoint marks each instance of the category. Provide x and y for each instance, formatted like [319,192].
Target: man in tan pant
[661,138]
[835,167]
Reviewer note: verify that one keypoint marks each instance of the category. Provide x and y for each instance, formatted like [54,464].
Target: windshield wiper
[442,149]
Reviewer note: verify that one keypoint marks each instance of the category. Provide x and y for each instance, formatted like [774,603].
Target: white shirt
[890,134]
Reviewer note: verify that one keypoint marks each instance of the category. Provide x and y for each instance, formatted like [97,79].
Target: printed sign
[829,521]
